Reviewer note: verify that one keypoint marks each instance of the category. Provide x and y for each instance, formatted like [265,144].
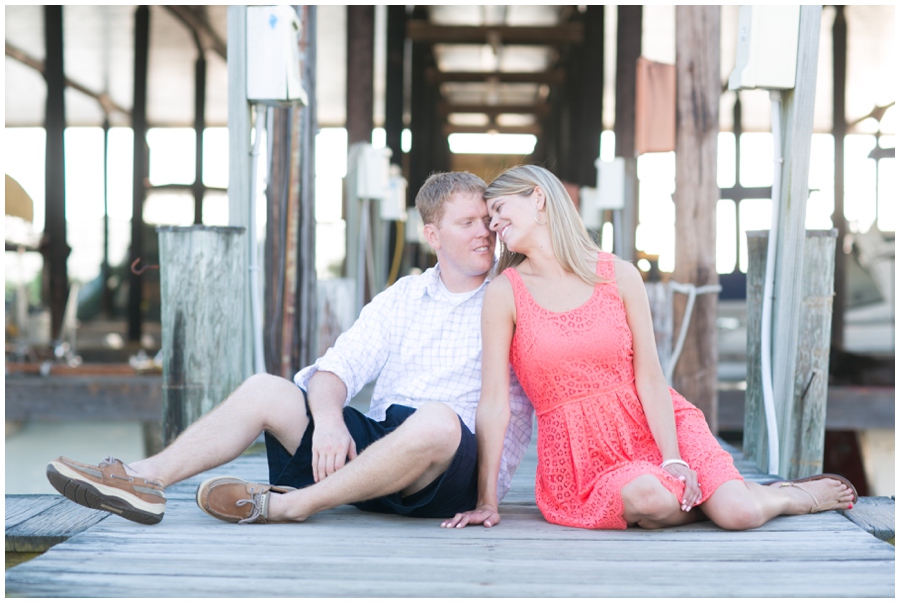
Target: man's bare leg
[261,403]
[407,460]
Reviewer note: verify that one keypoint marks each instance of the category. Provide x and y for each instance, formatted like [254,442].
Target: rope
[692,291]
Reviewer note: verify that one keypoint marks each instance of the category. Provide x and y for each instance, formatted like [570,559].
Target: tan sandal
[817,507]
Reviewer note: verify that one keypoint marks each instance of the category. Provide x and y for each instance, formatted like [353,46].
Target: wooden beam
[141,152]
[360,73]
[810,383]
[588,124]
[849,408]
[839,131]
[797,119]
[106,103]
[239,129]
[628,48]
[420,30]
[200,25]
[551,77]
[541,110]
[458,129]
[305,341]
[56,256]
[394,81]
[697,32]
[84,398]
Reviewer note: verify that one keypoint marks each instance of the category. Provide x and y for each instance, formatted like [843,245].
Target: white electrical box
[589,207]
[415,229]
[273,56]
[611,183]
[766,55]
[370,168]
[393,206]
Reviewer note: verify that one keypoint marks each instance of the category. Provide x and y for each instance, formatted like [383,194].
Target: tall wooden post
[696,195]
[360,72]
[810,380]
[628,49]
[797,120]
[238,153]
[57,252]
[393,92]
[588,125]
[303,352]
[139,126]
[839,130]
[202,283]
[360,99]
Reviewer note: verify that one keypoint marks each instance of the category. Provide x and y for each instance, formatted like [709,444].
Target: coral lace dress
[593,437]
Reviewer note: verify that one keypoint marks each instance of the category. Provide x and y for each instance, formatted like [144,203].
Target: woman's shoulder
[501,283]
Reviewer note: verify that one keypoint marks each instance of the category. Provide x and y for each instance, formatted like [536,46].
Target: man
[412,454]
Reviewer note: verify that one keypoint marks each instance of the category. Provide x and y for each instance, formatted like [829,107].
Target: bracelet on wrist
[673,462]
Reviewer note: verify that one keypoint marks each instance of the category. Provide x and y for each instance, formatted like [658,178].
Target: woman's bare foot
[817,493]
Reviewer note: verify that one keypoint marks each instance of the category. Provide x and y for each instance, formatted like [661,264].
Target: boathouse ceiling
[494,65]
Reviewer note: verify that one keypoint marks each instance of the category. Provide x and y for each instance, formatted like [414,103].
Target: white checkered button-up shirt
[422,346]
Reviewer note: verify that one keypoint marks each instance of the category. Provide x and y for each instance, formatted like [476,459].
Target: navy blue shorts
[455,491]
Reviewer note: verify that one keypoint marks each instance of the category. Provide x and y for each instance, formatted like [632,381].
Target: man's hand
[486,515]
[332,448]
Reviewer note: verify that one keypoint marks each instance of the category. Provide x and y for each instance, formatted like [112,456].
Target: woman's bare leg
[650,505]
[738,505]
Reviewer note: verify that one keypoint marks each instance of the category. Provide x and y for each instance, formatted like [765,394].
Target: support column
[139,126]
[199,125]
[303,351]
[697,32]
[239,153]
[628,50]
[797,120]
[839,131]
[393,101]
[589,124]
[360,72]
[420,113]
[360,102]
[57,251]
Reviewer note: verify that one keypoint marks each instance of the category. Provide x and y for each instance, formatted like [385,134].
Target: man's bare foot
[825,492]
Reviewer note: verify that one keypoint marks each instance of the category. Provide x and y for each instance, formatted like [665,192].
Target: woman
[616,446]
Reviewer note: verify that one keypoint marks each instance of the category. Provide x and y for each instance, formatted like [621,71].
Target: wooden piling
[805,433]
[203,281]
[697,31]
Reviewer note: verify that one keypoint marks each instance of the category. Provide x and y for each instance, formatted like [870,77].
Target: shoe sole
[102,498]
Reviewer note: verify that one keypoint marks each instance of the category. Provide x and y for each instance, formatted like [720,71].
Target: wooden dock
[348,553]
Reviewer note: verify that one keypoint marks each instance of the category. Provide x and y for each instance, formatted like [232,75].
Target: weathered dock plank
[34,523]
[347,553]
[875,515]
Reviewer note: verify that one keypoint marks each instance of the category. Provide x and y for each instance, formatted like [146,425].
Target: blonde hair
[572,245]
[438,189]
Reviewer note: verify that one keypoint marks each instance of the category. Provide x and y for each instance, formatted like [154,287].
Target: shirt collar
[432,282]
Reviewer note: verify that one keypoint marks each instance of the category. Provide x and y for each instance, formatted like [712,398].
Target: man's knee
[271,398]
[435,427]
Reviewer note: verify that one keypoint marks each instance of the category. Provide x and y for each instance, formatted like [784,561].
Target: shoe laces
[256,500]
[112,461]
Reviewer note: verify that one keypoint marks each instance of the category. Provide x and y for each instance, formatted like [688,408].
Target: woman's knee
[732,507]
[645,498]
